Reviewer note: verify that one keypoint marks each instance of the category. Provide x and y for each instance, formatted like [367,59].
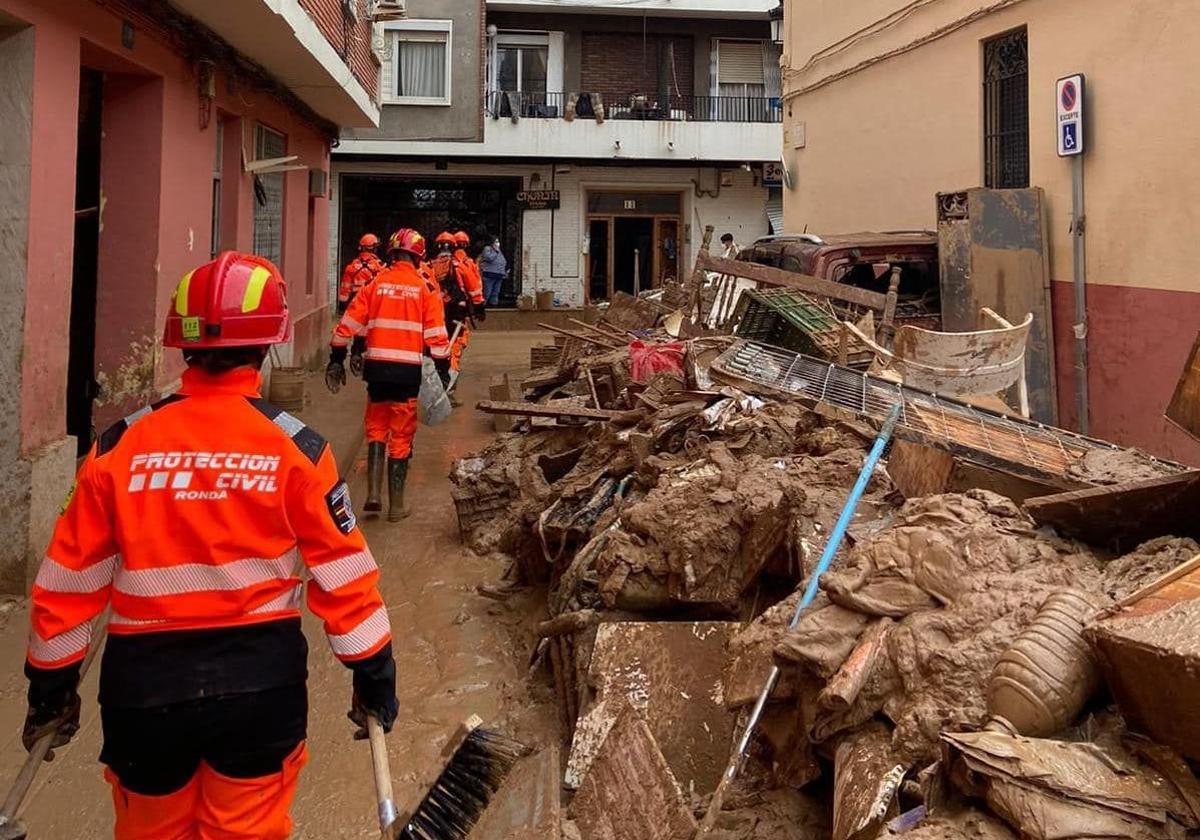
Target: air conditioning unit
[386,10]
[318,183]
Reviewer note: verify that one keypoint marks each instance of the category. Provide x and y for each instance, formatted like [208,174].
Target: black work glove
[335,371]
[58,716]
[443,371]
[374,692]
[356,364]
[481,312]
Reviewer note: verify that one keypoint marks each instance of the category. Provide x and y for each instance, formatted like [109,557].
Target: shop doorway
[633,242]
[633,245]
[483,207]
[82,388]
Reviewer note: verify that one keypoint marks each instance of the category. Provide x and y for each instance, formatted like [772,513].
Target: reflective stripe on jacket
[358,273]
[400,315]
[201,514]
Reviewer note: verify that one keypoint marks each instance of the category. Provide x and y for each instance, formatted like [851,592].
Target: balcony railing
[632,106]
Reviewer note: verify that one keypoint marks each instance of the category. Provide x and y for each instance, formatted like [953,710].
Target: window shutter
[740,63]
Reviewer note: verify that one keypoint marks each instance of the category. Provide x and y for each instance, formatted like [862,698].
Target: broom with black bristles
[474,764]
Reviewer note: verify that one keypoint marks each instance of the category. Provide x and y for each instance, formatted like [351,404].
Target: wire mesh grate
[1022,444]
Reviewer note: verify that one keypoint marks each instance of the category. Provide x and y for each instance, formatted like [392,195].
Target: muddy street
[457,653]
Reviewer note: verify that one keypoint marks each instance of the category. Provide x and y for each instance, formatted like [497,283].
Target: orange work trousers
[212,806]
[393,423]
[458,347]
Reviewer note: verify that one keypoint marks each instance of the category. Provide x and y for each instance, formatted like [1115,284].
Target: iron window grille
[1006,110]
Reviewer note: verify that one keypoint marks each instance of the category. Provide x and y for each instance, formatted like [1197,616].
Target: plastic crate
[473,507]
[793,321]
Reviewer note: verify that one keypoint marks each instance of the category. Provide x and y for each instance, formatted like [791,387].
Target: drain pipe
[1079,256]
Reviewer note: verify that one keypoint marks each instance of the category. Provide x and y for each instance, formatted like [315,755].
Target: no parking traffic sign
[1069,125]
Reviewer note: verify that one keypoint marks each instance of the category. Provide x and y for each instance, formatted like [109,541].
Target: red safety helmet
[445,238]
[369,242]
[408,241]
[462,238]
[237,300]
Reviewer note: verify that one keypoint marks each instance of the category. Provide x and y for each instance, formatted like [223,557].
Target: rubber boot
[376,456]
[397,476]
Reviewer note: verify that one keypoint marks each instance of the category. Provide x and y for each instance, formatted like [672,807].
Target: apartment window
[418,71]
[218,163]
[745,82]
[268,195]
[739,68]
[1006,110]
[523,63]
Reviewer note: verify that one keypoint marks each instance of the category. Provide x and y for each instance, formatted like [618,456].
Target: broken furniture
[793,320]
[994,251]
[965,364]
[1052,457]
[1184,409]
[1148,653]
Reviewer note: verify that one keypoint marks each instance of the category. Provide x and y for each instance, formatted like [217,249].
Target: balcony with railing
[602,106]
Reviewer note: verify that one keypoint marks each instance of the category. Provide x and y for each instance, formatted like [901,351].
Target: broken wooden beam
[605,332]
[778,277]
[528,409]
[568,623]
[1124,515]
[843,689]
[607,342]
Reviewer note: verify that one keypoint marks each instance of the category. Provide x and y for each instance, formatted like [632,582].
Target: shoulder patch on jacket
[113,434]
[307,441]
[341,511]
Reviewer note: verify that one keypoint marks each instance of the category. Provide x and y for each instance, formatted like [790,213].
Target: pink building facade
[136,140]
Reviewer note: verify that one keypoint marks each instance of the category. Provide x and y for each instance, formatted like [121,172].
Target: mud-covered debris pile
[706,530]
[948,628]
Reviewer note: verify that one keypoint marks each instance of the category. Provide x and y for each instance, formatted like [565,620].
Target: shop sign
[538,199]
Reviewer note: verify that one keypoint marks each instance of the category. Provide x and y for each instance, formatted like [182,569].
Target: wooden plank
[778,277]
[528,409]
[630,792]
[581,337]
[1184,410]
[1124,514]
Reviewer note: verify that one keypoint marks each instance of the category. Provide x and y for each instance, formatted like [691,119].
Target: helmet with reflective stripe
[369,242]
[461,238]
[445,238]
[408,241]
[237,300]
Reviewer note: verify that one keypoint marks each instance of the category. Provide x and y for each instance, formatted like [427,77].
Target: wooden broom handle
[383,777]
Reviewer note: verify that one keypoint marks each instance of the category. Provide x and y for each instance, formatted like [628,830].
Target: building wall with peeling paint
[884,109]
[158,150]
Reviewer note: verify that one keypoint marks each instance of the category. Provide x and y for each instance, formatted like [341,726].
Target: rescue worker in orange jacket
[452,276]
[192,519]
[474,279]
[359,272]
[400,314]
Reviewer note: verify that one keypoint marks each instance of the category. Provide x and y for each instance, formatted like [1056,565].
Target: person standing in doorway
[494,267]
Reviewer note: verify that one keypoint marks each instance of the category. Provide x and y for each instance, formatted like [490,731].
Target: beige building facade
[889,102]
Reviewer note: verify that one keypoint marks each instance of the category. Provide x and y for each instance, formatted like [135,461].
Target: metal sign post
[1069,127]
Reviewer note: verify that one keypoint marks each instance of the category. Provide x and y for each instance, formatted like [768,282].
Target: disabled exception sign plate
[1069,102]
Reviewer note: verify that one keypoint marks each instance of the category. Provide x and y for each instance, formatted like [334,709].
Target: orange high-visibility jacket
[473,277]
[400,315]
[358,273]
[198,514]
